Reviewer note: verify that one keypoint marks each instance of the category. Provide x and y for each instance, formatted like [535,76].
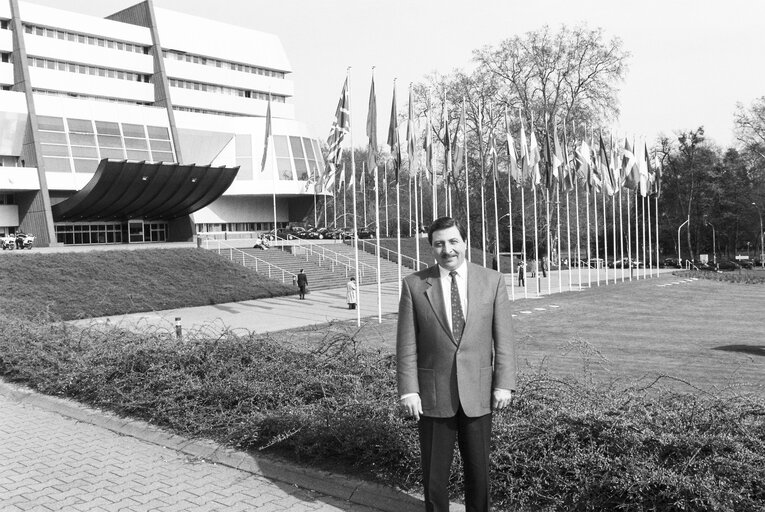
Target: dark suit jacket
[302,279]
[432,363]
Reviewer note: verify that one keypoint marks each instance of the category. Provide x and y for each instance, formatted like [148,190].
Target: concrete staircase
[327,265]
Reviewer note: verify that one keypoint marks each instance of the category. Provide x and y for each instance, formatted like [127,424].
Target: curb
[355,491]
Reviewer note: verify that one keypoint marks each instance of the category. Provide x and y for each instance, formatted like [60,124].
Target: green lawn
[705,333]
[66,286]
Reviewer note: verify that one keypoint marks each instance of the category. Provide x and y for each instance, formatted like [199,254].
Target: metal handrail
[318,248]
[389,251]
[223,247]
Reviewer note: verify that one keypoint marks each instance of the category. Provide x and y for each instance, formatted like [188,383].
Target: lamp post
[679,259]
[714,245]
[762,235]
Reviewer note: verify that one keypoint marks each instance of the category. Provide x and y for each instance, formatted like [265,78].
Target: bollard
[178,328]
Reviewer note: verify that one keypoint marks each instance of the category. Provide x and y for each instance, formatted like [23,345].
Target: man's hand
[412,406]
[500,398]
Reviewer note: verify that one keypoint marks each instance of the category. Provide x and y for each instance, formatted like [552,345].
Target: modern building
[147,125]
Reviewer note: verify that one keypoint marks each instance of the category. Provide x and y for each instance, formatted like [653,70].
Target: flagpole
[568,215]
[513,269]
[578,235]
[523,233]
[411,190]
[364,191]
[629,234]
[621,231]
[483,187]
[355,224]
[656,219]
[643,224]
[637,233]
[334,209]
[605,232]
[650,238]
[398,231]
[467,185]
[557,207]
[385,191]
[345,211]
[377,249]
[589,250]
[549,240]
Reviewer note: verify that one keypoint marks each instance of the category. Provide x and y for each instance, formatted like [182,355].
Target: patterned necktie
[458,319]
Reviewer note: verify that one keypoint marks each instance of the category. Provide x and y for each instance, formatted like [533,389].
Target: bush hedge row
[563,445]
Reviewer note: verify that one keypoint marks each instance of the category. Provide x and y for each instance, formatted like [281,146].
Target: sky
[691,60]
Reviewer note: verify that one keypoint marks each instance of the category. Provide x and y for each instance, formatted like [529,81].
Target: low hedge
[563,445]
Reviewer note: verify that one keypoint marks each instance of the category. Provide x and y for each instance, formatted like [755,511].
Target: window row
[72,67]
[235,66]
[76,234]
[304,152]
[89,97]
[85,39]
[219,89]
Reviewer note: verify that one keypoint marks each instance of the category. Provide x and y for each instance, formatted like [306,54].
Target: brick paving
[49,462]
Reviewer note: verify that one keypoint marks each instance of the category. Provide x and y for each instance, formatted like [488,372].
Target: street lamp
[679,259]
[762,235]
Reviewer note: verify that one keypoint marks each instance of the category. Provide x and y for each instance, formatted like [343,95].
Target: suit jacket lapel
[476,288]
[437,300]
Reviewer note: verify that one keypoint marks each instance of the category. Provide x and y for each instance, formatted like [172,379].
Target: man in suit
[456,363]
[302,282]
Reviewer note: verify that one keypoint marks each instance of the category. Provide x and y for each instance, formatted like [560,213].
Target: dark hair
[445,223]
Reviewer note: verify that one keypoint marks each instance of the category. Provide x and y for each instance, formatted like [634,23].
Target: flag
[393,140]
[269,139]
[534,159]
[568,172]
[446,141]
[656,183]
[428,146]
[515,172]
[352,179]
[606,172]
[372,128]
[582,160]
[341,181]
[493,153]
[630,169]
[340,127]
[643,173]
[557,159]
[458,144]
[411,135]
[525,163]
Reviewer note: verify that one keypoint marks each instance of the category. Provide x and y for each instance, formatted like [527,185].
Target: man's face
[448,248]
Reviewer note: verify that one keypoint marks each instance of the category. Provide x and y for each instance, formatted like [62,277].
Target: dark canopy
[124,189]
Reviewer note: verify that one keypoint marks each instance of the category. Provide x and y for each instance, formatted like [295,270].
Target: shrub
[563,445]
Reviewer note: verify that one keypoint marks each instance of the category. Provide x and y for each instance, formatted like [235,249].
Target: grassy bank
[67,286]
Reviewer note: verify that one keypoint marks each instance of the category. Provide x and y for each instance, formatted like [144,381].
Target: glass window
[86,151]
[158,132]
[80,125]
[133,130]
[301,169]
[133,154]
[308,149]
[136,143]
[160,145]
[50,123]
[109,141]
[112,153]
[297,147]
[53,164]
[53,150]
[280,146]
[85,165]
[82,139]
[159,156]
[284,167]
[106,128]
[56,137]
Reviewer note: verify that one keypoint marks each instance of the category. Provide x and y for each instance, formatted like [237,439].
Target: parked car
[8,242]
[620,263]
[728,265]
[366,233]
[671,262]
[747,264]
[281,234]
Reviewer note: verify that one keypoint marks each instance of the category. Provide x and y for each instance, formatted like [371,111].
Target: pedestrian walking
[302,282]
[350,293]
[521,273]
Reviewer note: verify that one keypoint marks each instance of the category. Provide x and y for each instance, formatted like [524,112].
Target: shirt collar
[461,271]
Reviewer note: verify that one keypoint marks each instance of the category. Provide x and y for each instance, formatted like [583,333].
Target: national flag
[568,172]
[582,160]
[534,159]
[372,128]
[493,154]
[341,181]
[630,169]
[458,148]
[557,159]
[606,172]
[393,139]
[352,179]
[548,162]
[428,145]
[411,134]
[643,173]
[656,183]
[515,172]
[268,142]
[340,127]
[525,163]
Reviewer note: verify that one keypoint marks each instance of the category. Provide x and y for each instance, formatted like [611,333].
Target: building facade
[142,92]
